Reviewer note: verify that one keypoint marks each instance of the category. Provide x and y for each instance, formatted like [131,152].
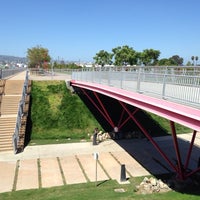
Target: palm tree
[192,59]
[196,58]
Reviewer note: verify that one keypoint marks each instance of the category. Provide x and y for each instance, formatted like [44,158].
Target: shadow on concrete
[145,153]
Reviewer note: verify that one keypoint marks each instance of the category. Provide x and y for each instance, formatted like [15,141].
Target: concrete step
[6,141]
[4,128]
[9,112]
[5,131]
[7,128]
[6,148]
[14,86]
[7,125]
[10,123]
[10,105]
[7,121]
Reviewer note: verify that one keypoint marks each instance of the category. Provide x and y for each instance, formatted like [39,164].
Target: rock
[119,190]
[152,185]
[153,181]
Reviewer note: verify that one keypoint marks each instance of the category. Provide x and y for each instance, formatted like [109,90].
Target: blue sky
[78,29]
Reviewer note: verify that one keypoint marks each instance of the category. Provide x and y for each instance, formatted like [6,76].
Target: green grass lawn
[105,190]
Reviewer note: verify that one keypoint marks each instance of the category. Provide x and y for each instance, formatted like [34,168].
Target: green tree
[38,57]
[188,63]
[177,60]
[102,58]
[165,62]
[125,55]
[55,65]
[149,57]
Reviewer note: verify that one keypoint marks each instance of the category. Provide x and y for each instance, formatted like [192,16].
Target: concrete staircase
[10,98]
[10,104]
[7,127]
[14,87]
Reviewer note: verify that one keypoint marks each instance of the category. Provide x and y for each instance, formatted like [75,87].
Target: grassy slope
[58,115]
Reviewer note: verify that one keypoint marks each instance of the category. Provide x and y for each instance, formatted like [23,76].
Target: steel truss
[179,168]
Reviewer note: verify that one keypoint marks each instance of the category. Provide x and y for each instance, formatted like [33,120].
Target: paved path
[55,165]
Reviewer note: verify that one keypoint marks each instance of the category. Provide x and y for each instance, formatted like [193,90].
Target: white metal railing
[4,73]
[181,84]
[20,115]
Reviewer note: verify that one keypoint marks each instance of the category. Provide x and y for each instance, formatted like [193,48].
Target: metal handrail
[20,115]
[180,84]
[5,73]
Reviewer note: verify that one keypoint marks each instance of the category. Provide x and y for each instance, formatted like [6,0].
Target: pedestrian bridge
[169,92]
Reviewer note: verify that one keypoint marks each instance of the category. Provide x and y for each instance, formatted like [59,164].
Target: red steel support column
[193,172]
[190,149]
[120,119]
[178,156]
[105,111]
[150,139]
[128,117]
[107,119]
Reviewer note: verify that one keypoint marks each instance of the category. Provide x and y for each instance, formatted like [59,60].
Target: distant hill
[6,58]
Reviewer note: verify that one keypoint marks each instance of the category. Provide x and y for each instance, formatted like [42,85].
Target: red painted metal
[190,150]
[192,172]
[96,106]
[128,118]
[105,111]
[119,125]
[178,155]
[150,138]
[187,116]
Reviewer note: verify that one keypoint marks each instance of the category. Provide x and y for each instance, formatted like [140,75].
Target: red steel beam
[192,172]
[187,116]
[178,155]
[103,114]
[150,138]
[190,149]
[129,117]
[105,111]
[119,125]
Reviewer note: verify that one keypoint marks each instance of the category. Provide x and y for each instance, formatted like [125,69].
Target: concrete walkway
[56,165]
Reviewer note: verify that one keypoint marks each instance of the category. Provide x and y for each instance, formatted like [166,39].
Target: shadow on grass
[101,183]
